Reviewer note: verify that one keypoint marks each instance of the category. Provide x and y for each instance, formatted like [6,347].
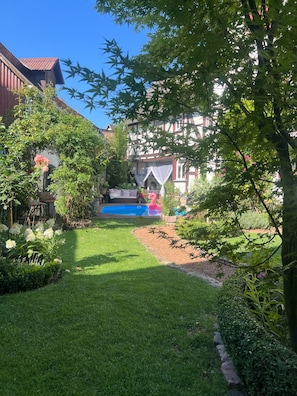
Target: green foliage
[220,239]
[266,367]
[18,184]
[253,220]
[73,182]
[118,166]
[37,244]
[34,115]
[231,199]
[2,126]
[199,232]
[230,204]
[16,276]
[199,190]
[83,156]
[82,152]
[170,201]
[265,296]
[213,238]
[125,186]
[29,256]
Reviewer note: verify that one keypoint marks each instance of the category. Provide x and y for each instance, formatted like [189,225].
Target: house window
[180,169]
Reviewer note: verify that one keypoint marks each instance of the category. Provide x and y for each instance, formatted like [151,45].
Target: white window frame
[180,169]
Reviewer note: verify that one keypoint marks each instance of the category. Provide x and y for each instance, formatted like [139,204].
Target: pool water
[130,210]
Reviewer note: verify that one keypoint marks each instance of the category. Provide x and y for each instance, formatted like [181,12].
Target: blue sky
[65,29]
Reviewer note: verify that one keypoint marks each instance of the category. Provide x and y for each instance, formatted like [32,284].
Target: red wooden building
[14,73]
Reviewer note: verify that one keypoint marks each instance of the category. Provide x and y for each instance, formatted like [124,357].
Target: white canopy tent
[160,170]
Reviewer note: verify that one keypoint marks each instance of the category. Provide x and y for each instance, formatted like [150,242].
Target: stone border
[234,382]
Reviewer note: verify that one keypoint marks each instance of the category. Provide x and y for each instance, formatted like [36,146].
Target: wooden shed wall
[9,80]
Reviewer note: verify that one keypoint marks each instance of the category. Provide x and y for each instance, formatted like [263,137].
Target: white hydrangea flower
[50,222]
[29,235]
[10,244]
[15,229]
[39,227]
[3,227]
[49,233]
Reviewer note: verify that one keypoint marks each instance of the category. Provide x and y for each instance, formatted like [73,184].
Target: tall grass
[118,323]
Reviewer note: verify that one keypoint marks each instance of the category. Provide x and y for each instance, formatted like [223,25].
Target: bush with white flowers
[29,257]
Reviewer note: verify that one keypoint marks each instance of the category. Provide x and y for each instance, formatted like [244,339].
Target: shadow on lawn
[124,222]
[103,259]
[69,254]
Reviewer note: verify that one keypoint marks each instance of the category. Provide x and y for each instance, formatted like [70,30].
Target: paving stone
[217,339]
[230,374]
[222,352]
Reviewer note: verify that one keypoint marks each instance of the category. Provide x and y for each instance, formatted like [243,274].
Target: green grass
[122,325]
[264,246]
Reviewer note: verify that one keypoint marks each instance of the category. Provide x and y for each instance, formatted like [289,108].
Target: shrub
[199,230]
[39,243]
[208,237]
[252,220]
[170,201]
[17,276]
[28,256]
[193,230]
[263,363]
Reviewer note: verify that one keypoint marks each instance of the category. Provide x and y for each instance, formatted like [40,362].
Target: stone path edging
[234,382]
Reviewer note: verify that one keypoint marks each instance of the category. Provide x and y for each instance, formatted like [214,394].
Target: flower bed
[28,257]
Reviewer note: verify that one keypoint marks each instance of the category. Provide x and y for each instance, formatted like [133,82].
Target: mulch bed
[158,240]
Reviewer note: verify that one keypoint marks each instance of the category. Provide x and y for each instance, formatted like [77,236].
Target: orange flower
[41,162]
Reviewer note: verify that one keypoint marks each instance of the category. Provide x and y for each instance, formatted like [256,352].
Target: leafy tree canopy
[195,47]
[119,166]
[232,61]
[41,124]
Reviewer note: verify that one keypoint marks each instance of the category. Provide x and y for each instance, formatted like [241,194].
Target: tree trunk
[289,259]
[10,215]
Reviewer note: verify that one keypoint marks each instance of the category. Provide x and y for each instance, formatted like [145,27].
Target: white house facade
[151,167]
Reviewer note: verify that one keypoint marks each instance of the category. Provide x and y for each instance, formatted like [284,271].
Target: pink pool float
[153,205]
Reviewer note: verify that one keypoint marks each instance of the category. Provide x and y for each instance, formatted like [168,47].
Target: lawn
[118,323]
[264,247]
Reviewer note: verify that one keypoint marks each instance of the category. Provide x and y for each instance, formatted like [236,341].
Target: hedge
[28,277]
[264,365]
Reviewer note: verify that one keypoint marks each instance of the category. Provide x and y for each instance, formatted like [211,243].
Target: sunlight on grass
[134,327]
[264,245]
